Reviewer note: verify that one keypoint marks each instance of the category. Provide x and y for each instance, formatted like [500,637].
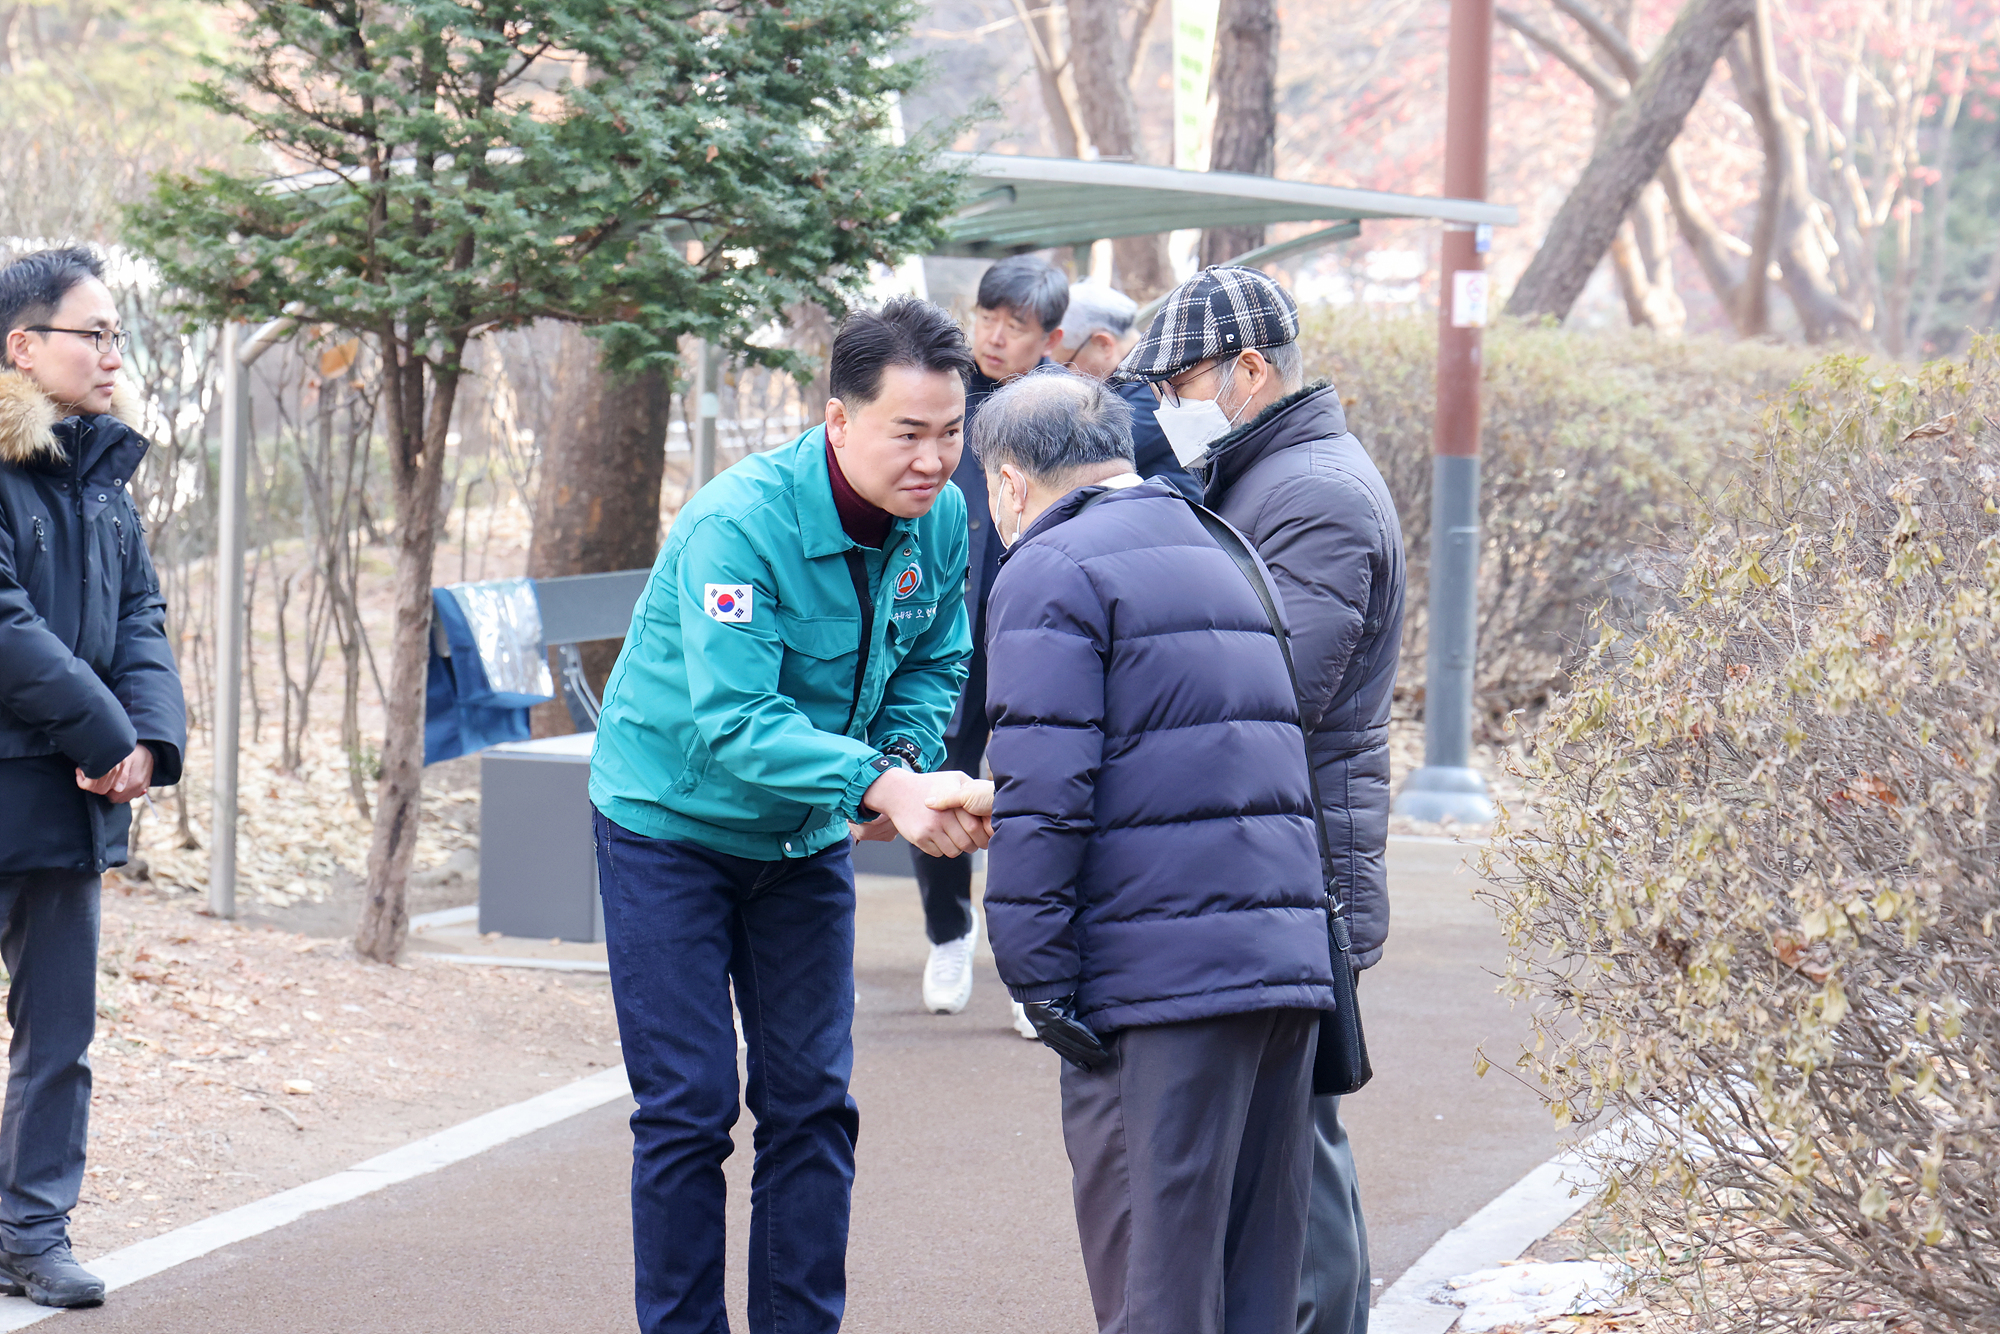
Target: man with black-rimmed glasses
[91,716]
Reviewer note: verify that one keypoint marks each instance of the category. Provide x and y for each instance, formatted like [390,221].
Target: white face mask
[1000,490]
[1190,428]
[1192,425]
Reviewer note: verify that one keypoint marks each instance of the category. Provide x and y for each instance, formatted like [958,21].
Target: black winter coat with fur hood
[86,672]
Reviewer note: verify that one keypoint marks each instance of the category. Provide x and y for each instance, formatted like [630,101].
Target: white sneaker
[1021,1024]
[948,975]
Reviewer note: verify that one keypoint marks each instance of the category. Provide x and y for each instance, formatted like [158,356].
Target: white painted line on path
[157,1254]
[1518,1217]
[511,961]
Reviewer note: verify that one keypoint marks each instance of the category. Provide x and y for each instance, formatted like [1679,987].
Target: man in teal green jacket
[786,680]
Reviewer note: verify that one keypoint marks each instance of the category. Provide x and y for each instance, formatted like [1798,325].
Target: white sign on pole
[1194,54]
[1468,299]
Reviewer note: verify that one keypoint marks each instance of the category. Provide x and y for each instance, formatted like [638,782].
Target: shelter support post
[708,406]
[228,716]
[239,351]
[1447,786]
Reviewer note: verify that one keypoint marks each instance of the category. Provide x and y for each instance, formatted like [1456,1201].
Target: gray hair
[1093,307]
[1288,363]
[1050,423]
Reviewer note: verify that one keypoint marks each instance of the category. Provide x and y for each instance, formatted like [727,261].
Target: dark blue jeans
[682,923]
[945,883]
[48,942]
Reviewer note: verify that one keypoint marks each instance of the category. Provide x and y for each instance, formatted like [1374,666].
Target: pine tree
[650,171]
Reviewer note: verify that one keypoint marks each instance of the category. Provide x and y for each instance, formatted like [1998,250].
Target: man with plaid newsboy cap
[1276,459]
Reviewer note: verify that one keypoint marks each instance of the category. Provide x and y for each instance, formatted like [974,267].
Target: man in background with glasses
[1098,329]
[1016,321]
[91,716]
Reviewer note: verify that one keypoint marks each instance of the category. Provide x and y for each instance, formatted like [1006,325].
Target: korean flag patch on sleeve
[729,603]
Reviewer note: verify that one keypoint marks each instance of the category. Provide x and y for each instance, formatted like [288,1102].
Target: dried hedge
[1591,443]
[1757,918]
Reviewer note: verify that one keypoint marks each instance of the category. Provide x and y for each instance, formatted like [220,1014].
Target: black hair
[908,331]
[1051,422]
[33,286]
[1027,285]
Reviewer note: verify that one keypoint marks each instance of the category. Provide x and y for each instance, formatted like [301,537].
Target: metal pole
[238,353]
[708,406]
[1448,785]
[230,479]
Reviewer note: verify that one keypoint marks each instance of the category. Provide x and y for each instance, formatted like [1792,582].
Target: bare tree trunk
[1642,249]
[1051,63]
[1937,209]
[1643,259]
[598,505]
[416,439]
[1787,229]
[1753,67]
[1246,111]
[1631,153]
[1099,59]
[1715,250]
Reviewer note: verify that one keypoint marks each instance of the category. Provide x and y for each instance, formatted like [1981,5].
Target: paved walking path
[961,1214]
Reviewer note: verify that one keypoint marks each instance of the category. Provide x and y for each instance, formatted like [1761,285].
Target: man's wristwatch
[884,762]
[905,750]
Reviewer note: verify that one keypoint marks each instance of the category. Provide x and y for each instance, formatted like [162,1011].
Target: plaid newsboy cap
[1217,313]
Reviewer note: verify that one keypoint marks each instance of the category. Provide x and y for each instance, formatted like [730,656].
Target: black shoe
[53,1278]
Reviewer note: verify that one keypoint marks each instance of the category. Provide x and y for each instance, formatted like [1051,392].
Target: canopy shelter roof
[1017,204]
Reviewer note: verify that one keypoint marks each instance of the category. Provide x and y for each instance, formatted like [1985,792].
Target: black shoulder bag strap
[1341,1065]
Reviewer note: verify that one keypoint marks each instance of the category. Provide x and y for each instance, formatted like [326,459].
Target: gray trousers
[1333,1285]
[1192,1158]
[48,942]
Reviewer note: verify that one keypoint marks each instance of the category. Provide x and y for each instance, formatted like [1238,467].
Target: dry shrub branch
[1592,445]
[1758,914]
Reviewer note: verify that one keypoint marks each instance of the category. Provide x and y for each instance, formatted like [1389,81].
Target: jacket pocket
[30,558]
[828,638]
[694,768]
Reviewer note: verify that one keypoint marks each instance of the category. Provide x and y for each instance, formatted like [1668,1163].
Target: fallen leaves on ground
[233,1062]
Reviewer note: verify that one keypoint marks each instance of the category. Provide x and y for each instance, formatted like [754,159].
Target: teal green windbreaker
[733,717]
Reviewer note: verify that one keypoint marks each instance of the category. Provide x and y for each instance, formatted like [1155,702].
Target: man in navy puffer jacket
[1154,876]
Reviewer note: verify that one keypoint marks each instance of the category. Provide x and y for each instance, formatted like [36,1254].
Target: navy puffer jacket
[1153,851]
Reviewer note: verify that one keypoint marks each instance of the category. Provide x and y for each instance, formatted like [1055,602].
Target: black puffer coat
[1154,851]
[86,672]
[1300,486]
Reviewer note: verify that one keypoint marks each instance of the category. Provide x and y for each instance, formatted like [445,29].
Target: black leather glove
[1066,1035]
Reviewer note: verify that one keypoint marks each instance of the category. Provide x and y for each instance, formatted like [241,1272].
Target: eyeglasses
[118,338]
[1169,391]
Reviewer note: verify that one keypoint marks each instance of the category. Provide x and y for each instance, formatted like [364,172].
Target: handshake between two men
[948,813]
[941,814]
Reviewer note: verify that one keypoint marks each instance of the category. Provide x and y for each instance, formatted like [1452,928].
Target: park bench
[537,867]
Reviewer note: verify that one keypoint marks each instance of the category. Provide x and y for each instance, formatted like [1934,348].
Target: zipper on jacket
[41,536]
[857,570]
